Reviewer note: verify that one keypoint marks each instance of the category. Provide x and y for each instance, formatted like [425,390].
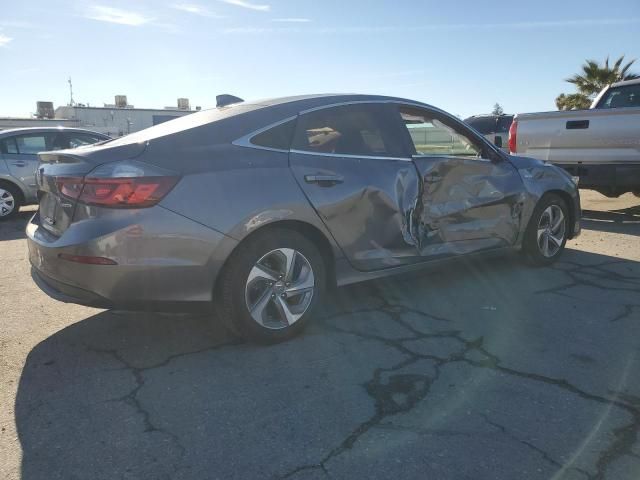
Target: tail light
[119,185]
[513,137]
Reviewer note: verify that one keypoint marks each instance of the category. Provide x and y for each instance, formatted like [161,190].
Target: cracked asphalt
[483,369]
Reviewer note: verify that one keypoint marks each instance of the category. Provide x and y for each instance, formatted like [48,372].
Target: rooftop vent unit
[183,104]
[44,110]
[121,101]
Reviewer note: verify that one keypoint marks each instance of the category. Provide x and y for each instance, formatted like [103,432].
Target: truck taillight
[119,185]
[513,137]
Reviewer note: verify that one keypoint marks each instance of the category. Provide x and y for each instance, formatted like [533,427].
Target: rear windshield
[621,97]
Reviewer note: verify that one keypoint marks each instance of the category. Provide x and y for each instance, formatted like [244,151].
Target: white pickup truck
[600,145]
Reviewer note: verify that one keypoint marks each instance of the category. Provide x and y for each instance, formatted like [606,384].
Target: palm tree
[573,101]
[593,78]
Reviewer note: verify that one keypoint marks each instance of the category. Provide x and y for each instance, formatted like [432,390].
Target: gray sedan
[19,158]
[257,208]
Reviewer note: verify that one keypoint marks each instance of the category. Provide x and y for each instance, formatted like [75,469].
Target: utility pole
[71,102]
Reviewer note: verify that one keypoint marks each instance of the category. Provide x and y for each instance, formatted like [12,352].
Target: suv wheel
[546,234]
[9,201]
[270,286]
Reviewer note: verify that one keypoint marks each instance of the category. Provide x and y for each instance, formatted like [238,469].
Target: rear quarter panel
[237,190]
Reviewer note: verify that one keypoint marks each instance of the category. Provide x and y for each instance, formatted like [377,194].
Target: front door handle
[19,163]
[433,178]
[324,180]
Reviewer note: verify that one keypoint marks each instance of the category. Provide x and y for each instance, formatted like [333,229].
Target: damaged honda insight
[256,208]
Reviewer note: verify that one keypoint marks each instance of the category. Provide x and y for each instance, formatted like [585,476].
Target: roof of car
[330,98]
[13,131]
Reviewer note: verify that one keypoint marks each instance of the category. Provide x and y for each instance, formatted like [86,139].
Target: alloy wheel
[551,231]
[279,288]
[7,202]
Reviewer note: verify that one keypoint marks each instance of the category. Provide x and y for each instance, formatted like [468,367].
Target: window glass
[80,139]
[432,137]
[31,144]
[620,97]
[277,137]
[8,146]
[58,141]
[348,130]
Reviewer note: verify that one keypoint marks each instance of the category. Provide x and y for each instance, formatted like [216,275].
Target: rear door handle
[433,178]
[19,163]
[327,180]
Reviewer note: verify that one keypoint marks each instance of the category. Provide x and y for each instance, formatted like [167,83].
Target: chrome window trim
[345,155]
[245,141]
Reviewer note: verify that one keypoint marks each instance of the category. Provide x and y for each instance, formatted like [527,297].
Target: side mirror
[497,141]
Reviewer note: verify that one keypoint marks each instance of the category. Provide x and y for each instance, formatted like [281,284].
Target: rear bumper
[68,293]
[165,262]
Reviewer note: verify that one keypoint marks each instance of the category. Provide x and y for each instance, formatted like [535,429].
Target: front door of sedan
[351,162]
[471,198]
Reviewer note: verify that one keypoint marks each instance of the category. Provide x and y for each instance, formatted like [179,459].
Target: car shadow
[13,229]
[124,395]
[625,221]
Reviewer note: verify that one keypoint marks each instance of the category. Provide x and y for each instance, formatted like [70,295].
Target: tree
[497,109]
[573,101]
[591,80]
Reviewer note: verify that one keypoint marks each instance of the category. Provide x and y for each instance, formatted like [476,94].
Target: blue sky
[462,56]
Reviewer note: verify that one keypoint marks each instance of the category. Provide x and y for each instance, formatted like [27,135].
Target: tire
[10,201]
[251,278]
[544,241]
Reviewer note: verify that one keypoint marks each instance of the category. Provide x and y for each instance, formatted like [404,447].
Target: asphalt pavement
[483,369]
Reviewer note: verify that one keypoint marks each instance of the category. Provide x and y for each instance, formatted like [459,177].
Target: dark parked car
[495,128]
[19,158]
[257,208]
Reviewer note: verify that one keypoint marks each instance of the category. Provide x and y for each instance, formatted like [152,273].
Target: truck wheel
[9,201]
[546,234]
[271,285]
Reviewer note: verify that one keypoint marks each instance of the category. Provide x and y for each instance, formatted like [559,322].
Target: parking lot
[483,369]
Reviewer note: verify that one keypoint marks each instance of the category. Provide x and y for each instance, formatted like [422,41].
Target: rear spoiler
[226,99]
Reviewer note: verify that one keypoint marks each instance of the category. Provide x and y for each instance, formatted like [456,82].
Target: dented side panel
[466,205]
[370,211]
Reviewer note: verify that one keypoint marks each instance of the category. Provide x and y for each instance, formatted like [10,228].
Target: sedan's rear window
[278,137]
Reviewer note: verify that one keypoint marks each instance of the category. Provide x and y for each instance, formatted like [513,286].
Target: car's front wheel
[547,232]
[270,286]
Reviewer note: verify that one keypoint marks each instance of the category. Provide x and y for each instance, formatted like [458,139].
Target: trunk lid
[56,209]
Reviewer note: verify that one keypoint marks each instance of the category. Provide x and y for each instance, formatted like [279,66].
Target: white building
[114,120]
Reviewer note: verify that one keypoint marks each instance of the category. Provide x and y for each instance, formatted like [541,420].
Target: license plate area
[55,213]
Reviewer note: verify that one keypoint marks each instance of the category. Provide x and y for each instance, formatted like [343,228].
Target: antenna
[71,102]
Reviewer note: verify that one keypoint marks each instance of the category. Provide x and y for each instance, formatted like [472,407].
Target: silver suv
[19,160]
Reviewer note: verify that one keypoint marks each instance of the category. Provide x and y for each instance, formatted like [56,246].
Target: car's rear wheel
[9,201]
[270,286]
[546,234]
